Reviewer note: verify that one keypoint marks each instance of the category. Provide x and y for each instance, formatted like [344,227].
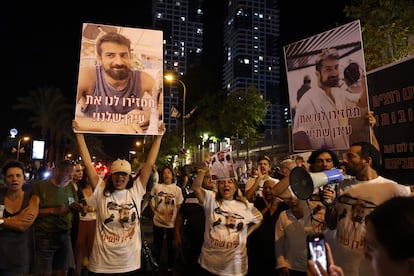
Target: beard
[355,170]
[117,72]
[331,81]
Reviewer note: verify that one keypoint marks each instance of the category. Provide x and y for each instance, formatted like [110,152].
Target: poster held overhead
[222,165]
[332,112]
[120,81]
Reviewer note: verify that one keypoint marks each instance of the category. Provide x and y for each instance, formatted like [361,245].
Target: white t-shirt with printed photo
[224,249]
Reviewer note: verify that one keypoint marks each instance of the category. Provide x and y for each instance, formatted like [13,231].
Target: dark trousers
[158,233]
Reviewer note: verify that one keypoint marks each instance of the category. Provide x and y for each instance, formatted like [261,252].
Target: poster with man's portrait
[222,165]
[120,81]
[328,89]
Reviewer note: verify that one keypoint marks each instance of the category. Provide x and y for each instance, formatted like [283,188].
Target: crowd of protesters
[247,224]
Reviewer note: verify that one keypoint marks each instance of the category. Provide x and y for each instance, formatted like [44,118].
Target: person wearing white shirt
[254,186]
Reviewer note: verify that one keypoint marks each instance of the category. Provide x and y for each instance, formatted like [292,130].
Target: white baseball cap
[121,165]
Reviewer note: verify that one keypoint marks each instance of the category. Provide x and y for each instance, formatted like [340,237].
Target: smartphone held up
[317,250]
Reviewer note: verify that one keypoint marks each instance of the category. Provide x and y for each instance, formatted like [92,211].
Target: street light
[171,78]
[25,138]
[139,144]
[130,154]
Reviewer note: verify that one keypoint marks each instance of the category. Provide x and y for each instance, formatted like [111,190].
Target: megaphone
[303,183]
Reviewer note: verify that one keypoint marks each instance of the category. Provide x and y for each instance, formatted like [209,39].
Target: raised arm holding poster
[332,113]
[120,81]
[222,165]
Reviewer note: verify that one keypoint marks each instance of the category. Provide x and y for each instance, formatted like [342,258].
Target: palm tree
[52,113]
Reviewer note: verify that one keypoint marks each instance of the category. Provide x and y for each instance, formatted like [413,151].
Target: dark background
[40,42]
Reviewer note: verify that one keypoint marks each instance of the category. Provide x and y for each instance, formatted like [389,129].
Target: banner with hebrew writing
[120,81]
[391,89]
[328,89]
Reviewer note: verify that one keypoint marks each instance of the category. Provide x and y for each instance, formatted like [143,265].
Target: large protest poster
[391,90]
[120,81]
[222,165]
[327,89]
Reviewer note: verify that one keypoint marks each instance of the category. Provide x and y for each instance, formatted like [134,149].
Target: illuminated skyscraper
[250,49]
[181,22]
[251,37]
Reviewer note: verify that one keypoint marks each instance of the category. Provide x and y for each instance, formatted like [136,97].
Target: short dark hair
[263,157]
[369,150]
[112,37]
[351,73]
[394,226]
[12,164]
[325,54]
[64,164]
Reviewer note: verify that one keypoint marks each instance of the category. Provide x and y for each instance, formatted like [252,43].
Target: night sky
[40,42]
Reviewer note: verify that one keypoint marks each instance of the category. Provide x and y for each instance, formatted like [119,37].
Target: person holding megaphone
[320,160]
[347,215]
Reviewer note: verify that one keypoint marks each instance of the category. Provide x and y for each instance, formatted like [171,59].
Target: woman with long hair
[117,243]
